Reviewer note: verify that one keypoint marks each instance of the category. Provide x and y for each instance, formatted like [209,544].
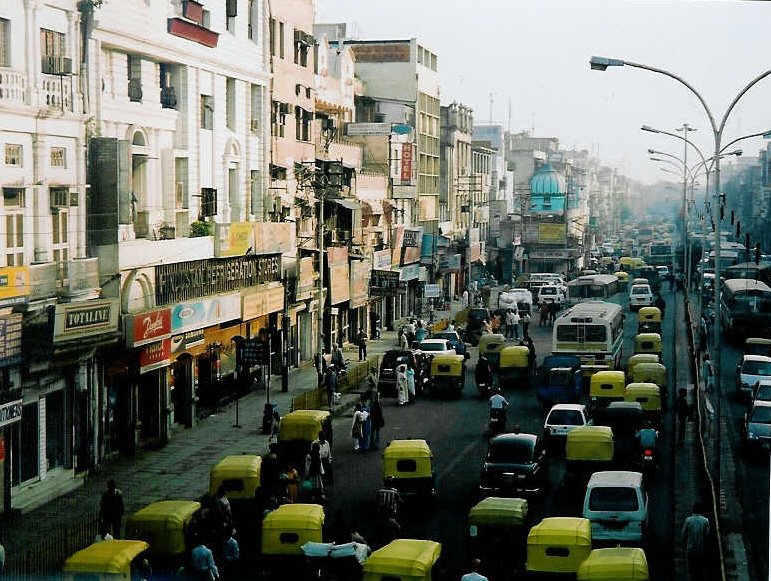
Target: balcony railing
[56,92]
[13,87]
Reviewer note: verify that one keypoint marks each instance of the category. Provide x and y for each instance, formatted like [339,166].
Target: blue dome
[547,180]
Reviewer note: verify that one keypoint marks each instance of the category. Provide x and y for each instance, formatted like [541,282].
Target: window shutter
[232,8]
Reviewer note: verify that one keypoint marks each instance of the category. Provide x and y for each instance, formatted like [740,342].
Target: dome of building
[547,180]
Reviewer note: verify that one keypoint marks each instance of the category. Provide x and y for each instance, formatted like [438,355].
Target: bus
[750,270]
[745,308]
[660,253]
[591,287]
[594,331]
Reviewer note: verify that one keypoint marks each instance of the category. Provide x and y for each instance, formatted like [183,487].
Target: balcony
[13,87]
[56,93]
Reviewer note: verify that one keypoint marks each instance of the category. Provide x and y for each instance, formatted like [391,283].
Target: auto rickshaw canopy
[495,510]
[286,529]
[757,346]
[163,525]
[622,276]
[612,564]
[634,360]
[491,343]
[240,474]
[407,459]
[649,315]
[590,443]
[558,544]
[111,557]
[515,356]
[648,395]
[302,425]
[404,559]
[649,373]
[647,343]
[605,384]
[447,365]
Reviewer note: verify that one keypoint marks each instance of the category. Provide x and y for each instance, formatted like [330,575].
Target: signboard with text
[339,279]
[384,283]
[154,355]
[14,285]
[74,320]
[10,412]
[381,260]
[406,166]
[143,328]
[10,339]
[549,233]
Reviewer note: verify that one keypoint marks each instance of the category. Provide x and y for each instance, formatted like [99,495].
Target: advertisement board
[306,282]
[406,165]
[154,355]
[339,278]
[88,318]
[14,285]
[381,260]
[450,263]
[235,239]
[551,233]
[432,291]
[143,328]
[384,283]
[205,312]
[359,292]
[263,300]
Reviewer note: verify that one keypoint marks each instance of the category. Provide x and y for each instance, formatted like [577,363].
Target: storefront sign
[412,237]
[147,327]
[354,129]
[205,312]
[154,355]
[339,279]
[182,281]
[360,270]
[450,263]
[381,260]
[406,166]
[73,320]
[10,412]
[307,280]
[423,274]
[263,300]
[14,285]
[561,254]
[384,284]
[549,233]
[432,291]
[409,272]
[10,339]
[185,341]
[474,252]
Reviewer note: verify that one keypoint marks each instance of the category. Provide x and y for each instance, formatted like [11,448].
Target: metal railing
[316,399]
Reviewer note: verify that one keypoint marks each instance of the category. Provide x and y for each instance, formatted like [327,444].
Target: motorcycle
[648,456]
[497,423]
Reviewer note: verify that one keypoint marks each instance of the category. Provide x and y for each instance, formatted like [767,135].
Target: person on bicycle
[388,498]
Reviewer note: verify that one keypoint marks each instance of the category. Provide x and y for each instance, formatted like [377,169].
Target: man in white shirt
[325,453]
[497,401]
[474,575]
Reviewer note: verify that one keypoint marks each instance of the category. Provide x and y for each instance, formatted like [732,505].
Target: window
[272,36]
[61,198]
[251,17]
[278,118]
[281,39]
[59,157]
[134,72]
[616,499]
[60,223]
[207,112]
[302,42]
[13,203]
[181,183]
[230,103]
[52,43]
[168,92]
[303,121]
[13,154]
[13,197]
[5,43]
[258,96]
[231,11]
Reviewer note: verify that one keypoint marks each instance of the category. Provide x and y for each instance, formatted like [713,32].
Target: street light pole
[686,265]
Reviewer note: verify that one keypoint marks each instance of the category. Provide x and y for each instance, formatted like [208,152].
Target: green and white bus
[593,330]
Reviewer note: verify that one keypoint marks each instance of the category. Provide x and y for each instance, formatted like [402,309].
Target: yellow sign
[237,238]
[14,285]
[549,233]
[234,239]
[263,300]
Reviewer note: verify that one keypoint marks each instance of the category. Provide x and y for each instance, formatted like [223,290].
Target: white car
[561,419]
[752,369]
[551,293]
[436,347]
[640,295]
[616,505]
[663,272]
[539,278]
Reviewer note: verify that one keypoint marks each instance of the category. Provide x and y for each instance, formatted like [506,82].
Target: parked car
[454,339]
[561,419]
[616,504]
[514,464]
[640,295]
[757,425]
[750,371]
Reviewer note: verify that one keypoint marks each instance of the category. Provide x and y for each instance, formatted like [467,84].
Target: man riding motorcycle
[483,375]
[498,405]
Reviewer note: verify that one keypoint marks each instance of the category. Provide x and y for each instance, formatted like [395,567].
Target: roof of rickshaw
[643,387]
[590,434]
[306,416]
[615,563]
[295,516]
[238,466]
[408,449]
[171,512]
[405,557]
[499,511]
[648,337]
[561,530]
[110,556]
[607,375]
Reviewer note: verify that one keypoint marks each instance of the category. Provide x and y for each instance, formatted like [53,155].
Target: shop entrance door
[149,409]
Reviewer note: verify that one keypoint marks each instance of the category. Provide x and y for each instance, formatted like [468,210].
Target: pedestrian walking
[202,562]
[683,411]
[695,533]
[525,324]
[325,453]
[224,512]
[357,426]
[403,341]
[338,359]
[111,510]
[292,482]
[231,556]
[330,383]
[378,421]
[410,373]
[553,308]
[544,310]
[362,340]
[707,373]
[402,390]
[314,472]
[474,575]
[366,427]
[531,353]
[515,320]
[421,332]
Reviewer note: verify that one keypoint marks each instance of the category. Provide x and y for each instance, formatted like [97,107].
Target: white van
[616,505]
[519,298]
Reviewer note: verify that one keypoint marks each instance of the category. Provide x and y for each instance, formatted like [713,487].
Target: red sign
[150,326]
[406,163]
[154,355]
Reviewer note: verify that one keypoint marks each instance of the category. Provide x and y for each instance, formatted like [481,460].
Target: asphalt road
[456,430]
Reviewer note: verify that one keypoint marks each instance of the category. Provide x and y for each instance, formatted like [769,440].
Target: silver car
[757,425]
[751,370]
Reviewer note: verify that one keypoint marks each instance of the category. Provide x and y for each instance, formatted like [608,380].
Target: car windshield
[612,498]
[565,418]
[511,452]
[640,290]
[761,415]
[763,393]
[761,368]
[440,346]
[448,336]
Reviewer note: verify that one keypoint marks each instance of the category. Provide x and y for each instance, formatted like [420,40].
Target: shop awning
[348,204]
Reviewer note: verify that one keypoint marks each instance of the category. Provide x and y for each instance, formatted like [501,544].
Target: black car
[473,329]
[514,464]
[386,383]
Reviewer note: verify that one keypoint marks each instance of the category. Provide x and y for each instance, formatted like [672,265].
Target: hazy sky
[535,55]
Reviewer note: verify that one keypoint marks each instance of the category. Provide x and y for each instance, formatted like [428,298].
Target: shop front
[382,300]
[337,316]
[406,254]
[359,298]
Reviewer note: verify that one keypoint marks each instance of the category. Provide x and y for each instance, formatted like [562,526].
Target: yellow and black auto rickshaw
[111,560]
[649,343]
[296,432]
[447,374]
[648,395]
[606,386]
[623,279]
[410,463]
[588,449]
[651,373]
[239,475]
[514,366]
[558,545]
[613,564]
[649,320]
[496,522]
[284,532]
[490,346]
[403,560]
[639,358]
[166,526]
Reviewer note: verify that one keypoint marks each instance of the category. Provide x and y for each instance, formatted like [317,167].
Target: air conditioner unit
[56,65]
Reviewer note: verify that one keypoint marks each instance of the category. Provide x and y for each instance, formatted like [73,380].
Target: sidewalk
[178,470]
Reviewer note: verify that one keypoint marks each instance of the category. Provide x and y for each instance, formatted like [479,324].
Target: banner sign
[263,301]
[384,283]
[549,233]
[154,355]
[235,239]
[432,291]
[406,167]
[73,320]
[10,339]
[450,263]
[381,260]
[10,412]
[185,341]
[205,313]
[14,285]
[412,237]
[359,292]
[307,280]
[409,272]
[143,328]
